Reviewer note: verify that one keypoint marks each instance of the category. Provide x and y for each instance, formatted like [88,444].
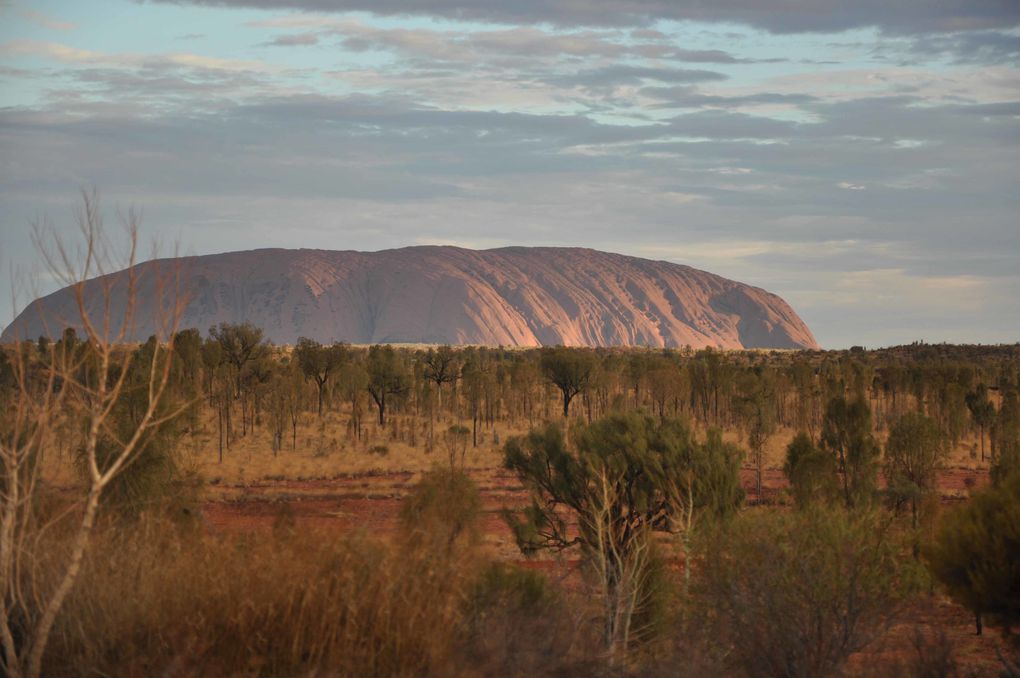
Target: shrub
[627,476]
[976,553]
[442,510]
[796,594]
[811,472]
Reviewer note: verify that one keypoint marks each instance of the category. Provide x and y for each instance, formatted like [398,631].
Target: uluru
[511,296]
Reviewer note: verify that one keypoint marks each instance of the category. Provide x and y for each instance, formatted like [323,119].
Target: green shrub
[811,472]
[976,553]
[796,594]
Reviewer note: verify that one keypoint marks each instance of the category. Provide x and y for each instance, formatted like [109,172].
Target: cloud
[690,97]
[72,55]
[970,47]
[293,40]
[46,21]
[632,75]
[777,16]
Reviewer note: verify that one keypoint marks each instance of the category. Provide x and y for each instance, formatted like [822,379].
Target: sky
[860,159]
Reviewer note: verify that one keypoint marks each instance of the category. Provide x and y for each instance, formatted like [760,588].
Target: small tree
[239,345]
[319,362]
[1006,437]
[795,594]
[847,433]
[982,412]
[757,407]
[569,370]
[627,476]
[441,367]
[85,386]
[913,454]
[387,376]
[811,472]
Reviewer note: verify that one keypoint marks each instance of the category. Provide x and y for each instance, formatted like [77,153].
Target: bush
[811,472]
[976,553]
[442,510]
[626,476]
[796,594]
[517,624]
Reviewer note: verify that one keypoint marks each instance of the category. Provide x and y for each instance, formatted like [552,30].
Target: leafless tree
[85,387]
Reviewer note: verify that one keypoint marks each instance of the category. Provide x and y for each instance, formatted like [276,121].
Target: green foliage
[320,363]
[388,375]
[812,472]
[568,369]
[239,344]
[153,480]
[847,433]
[713,471]
[914,452]
[441,366]
[443,509]
[795,594]
[655,466]
[504,584]
[1006,438]
[976,554]
[629,474]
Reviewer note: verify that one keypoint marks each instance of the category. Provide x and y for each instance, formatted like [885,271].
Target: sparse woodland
[562,511]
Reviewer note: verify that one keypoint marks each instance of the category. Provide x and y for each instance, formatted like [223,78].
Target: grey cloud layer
[779,16]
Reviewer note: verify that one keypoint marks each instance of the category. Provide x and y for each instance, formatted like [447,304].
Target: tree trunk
[41,633]
[219,428]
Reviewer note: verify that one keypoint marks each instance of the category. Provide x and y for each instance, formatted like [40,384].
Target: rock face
[514,296]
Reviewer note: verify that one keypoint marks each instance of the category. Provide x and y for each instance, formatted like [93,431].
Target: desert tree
[626,476]
[1006,437]
[982,412]
[240,343]
[913,454]
[477,379]
[319,363]
[388,376]
[280,400]
[441,367]
[352,385]
[87,386]
[802,379]
[757,407]
[665,381]
[847,434]
[569,370]
[976,553]
[812,472]
[187,373]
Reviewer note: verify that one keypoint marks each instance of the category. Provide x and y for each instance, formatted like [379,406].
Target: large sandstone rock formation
[514,296]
